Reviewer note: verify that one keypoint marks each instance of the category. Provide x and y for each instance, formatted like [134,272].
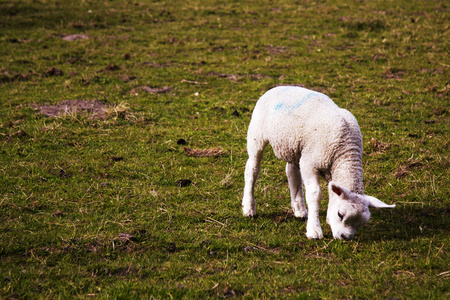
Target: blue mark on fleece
[283,106]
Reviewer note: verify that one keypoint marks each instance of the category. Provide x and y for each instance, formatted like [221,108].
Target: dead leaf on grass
[211,152]
[406,168]
[229,293]
[276,49]
[111,68]
[393,73]
[193,81]
[126,237]
[317,255]
[155,64]
[54,72]
[58,213]
[379,56]
[378,146]
[162,90]
[126,78]
[75,37]
[17,134]
[401,172]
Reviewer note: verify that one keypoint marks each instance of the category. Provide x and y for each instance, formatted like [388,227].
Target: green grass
[91,208]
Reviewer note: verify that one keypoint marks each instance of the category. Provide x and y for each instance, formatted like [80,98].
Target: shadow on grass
[408,223]
[401,223]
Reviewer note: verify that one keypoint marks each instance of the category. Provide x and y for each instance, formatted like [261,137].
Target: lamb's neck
[348,172]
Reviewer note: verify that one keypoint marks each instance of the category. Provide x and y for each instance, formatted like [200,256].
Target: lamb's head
[347,211]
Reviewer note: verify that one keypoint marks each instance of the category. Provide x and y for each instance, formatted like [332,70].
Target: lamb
[317,139]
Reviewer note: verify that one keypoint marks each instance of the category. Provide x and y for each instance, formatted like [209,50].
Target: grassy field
[138,196]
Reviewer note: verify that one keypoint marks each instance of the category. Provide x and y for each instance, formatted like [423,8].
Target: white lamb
[315,137]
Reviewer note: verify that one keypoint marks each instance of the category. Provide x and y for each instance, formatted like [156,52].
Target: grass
[90,207]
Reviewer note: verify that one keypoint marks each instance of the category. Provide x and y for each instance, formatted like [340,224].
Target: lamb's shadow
[400,223]
[406,223]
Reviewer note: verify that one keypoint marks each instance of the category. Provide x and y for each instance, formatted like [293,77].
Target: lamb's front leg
[296,189]
[312,195]
[251,174]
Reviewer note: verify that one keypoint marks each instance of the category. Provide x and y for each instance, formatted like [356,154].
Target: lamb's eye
[340,215]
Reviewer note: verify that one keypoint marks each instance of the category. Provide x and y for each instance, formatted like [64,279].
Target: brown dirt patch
[212,152]
[93,108]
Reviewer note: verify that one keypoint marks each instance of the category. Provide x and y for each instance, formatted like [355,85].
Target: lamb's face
[345,218]
[347,211]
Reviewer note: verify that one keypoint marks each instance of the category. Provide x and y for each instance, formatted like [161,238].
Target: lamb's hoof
[301,216]
[249,212]
[314,235]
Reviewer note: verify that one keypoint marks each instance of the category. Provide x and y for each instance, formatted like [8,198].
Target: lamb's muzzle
[315,137]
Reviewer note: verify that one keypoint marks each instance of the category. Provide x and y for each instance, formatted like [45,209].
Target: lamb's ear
[374,202]
[340,191]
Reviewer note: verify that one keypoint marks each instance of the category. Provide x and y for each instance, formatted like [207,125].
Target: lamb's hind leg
[255,152]
[296,189]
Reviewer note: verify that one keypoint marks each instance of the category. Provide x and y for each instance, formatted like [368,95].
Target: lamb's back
[299,121]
